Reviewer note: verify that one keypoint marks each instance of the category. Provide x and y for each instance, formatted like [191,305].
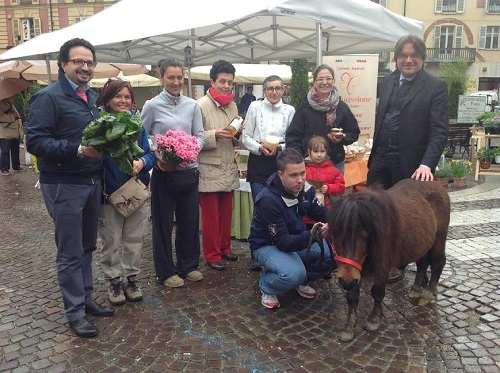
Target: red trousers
[216,214]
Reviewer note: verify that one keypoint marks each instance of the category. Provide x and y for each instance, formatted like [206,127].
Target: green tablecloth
[242,215]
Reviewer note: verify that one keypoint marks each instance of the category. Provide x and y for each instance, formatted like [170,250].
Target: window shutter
[439,6]
[37,26]
[458,36]
[16,31]
[437,36]
[482,37]
[460,6]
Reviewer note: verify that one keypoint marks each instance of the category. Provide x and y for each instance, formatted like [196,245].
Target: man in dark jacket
[411,127]
[245,101]
[70,177]
[278,236]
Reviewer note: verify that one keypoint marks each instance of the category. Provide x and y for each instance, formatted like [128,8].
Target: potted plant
[485,157]
[491,122]
[496,154]
[460,169]
[443,173]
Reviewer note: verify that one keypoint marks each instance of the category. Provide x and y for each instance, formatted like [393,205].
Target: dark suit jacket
[423,129]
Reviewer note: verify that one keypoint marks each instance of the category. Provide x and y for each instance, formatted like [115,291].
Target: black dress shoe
[95,309]
[83,328]
[255,265]
[230,256]
[218,266]
[395,274]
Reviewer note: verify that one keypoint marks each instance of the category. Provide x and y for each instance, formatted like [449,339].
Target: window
[450,6]
[448,37]
[493,6]
[489,37]
[26,2]
[381,2]
[25,29]
[79,1]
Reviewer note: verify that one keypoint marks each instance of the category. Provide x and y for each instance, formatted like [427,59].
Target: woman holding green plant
[121,236]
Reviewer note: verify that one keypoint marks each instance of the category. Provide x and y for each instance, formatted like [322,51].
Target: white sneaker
[306,291]
[269,301]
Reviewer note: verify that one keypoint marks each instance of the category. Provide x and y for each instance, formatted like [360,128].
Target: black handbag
[182,180]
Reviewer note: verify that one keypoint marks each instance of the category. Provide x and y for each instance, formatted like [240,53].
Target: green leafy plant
[460,168]
[115,136]
[444,170]
[454,73]
[300,82]
[496,151]
[22,100]
[486,154]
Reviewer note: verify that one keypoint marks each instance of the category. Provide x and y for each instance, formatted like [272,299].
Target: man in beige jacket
[11,132]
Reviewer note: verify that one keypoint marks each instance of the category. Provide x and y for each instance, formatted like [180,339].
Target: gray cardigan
[165,112]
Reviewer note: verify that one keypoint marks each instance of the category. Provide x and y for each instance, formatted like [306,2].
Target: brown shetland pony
[377,229]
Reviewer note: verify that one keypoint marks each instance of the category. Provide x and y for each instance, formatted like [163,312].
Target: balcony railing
[442,54]
[493,8]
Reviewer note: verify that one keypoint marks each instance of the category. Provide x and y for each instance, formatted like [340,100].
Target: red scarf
[223,100]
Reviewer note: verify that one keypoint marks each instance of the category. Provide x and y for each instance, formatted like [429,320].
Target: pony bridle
[352,263]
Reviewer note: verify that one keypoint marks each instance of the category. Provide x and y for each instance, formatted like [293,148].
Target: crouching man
[279,238]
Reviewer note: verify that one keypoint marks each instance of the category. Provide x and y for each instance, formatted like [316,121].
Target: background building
[468,29]
[21,20]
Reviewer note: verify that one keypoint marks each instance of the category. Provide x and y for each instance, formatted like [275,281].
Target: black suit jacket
[423,129]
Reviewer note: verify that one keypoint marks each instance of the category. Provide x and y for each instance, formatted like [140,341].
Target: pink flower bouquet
[178,146]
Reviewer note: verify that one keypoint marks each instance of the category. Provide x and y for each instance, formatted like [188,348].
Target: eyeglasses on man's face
[413,56]
[79,63]
[274,89]
[324,80]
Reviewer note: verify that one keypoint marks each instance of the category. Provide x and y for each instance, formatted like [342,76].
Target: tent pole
[190,94]
[319,47]
[49,73]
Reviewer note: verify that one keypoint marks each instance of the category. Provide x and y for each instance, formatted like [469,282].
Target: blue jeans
[286,271]
[256,188]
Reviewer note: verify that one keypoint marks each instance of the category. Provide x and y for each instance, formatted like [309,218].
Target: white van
[491,99]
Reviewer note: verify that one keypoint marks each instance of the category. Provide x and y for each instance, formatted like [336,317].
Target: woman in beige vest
[11,131]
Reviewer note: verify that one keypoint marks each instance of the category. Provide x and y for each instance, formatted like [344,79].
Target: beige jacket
[216,162]
[14,129]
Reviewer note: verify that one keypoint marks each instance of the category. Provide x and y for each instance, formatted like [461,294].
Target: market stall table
[242,211]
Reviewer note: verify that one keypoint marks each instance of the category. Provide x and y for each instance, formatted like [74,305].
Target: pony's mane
[371,211]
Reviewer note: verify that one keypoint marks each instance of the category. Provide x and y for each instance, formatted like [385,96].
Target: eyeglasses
[324,80]
[274,89]
[413,56]
[79,63]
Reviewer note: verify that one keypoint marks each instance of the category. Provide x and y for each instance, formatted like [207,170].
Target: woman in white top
[268,117]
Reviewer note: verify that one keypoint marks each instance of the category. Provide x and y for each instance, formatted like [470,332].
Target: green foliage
[444,170]
[300,83]
[486,154]
[22,100]
[460,167]
[454,74]
[115,136]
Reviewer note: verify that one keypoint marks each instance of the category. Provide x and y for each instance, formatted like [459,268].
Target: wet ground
[219,325]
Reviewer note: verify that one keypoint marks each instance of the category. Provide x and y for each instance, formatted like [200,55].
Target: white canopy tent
[243,32]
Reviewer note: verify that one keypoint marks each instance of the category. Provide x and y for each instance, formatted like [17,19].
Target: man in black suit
[411,126]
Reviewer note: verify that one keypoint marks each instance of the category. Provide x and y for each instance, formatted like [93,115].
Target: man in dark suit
[411,126]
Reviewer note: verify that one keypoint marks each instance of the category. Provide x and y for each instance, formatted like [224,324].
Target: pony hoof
[346,336]
[415,294]
[372,326]
[426,298]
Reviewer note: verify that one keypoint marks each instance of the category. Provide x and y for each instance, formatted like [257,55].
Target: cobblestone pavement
[218,325]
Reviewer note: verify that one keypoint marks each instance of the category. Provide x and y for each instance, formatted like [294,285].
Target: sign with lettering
[469,107]
[356,78]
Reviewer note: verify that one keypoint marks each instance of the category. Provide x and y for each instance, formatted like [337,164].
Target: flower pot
[443,181]
[459,182]
[484,165]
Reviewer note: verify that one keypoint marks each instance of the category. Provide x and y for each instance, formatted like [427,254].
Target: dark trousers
[10,151]
[187,238]
[385,170]
[75,212]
